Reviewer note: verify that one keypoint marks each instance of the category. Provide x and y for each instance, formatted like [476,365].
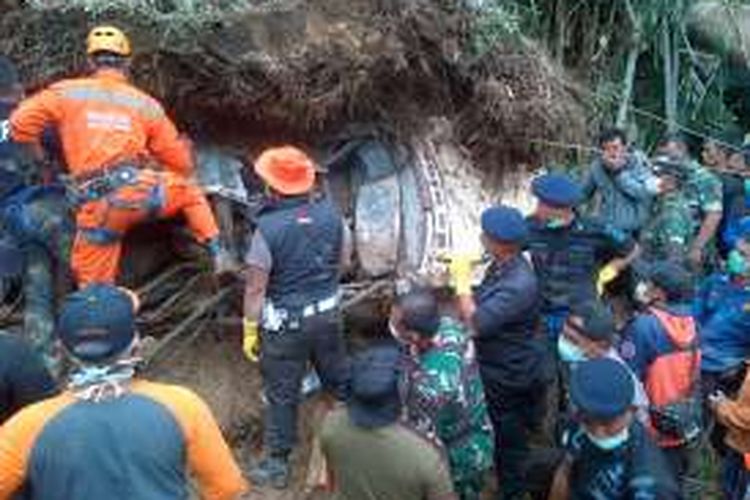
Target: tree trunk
[560,30]
[670,77]
[627,91]
[630,66]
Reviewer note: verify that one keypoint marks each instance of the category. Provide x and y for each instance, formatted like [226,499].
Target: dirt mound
[301,70]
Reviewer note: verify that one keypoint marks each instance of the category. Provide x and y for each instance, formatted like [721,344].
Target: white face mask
[568,351]
[612,442]
[394,332]
[641,294]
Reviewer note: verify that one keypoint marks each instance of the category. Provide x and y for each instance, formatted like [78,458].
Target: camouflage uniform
[670,231]
[445,401]
[704,194]
[677,216]
[38,220]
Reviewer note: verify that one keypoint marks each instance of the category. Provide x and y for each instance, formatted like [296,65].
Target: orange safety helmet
[108,39]
[286,169]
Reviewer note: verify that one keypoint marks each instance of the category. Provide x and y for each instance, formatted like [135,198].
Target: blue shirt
[645,339]
[722,309]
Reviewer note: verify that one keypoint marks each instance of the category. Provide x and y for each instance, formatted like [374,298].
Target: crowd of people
[595,352]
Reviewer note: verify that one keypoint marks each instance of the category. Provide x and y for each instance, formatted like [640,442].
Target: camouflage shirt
[676,217]
[671,229]
[445,400]
[703,191]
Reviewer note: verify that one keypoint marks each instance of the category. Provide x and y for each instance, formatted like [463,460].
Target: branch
[631,65]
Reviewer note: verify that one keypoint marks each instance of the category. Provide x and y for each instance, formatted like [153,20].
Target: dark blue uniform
[301,320]
[515,365]
[636,470]
[567,261]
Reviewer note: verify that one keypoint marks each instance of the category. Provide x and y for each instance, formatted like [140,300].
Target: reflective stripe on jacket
[102,121]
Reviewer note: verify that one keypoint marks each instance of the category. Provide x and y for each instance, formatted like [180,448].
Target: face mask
[555,223]
[394,331]
[612,442]
[736,263]
[568,351]
[641,293]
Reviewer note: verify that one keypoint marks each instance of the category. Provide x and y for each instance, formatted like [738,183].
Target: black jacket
[509,352]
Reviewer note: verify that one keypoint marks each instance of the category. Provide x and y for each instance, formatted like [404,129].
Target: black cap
[597,322]
[676,281]
[375,400]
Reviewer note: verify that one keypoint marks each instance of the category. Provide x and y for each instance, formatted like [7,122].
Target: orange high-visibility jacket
[102,120]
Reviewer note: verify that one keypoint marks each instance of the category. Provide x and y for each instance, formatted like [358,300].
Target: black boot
[272,470]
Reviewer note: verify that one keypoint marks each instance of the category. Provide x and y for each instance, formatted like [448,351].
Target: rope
[639,111]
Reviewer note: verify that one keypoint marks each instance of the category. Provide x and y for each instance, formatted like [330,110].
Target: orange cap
[286,169]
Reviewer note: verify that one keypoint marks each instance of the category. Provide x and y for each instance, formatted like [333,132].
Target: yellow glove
[250,339]
[606,275]
[460,269]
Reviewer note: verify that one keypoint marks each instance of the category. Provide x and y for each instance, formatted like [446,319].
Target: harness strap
[100,235]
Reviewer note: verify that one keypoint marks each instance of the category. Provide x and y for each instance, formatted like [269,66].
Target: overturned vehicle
[406,203]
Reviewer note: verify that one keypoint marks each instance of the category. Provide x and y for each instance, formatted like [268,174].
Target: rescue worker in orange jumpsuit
[109,131]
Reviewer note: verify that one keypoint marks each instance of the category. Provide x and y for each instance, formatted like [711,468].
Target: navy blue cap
[557,189]
[11,258]
[375,400]
[675,279]
[97,323]
[601,388]
[505,224]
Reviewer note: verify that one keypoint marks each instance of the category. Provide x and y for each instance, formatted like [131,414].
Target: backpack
[672,384]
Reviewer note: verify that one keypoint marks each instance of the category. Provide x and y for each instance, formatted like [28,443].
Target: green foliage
[154,8]
[592,40]
[494,21]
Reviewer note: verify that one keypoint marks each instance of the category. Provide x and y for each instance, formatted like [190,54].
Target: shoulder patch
[627,349]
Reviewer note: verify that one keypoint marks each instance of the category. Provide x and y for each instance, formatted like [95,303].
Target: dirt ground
[213,366]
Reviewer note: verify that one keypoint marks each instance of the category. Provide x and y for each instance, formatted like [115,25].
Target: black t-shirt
[23,376]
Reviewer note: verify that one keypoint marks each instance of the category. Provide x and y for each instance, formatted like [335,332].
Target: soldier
[23,377]
[35,219]
[671,228]
[705,199]
[444,396]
